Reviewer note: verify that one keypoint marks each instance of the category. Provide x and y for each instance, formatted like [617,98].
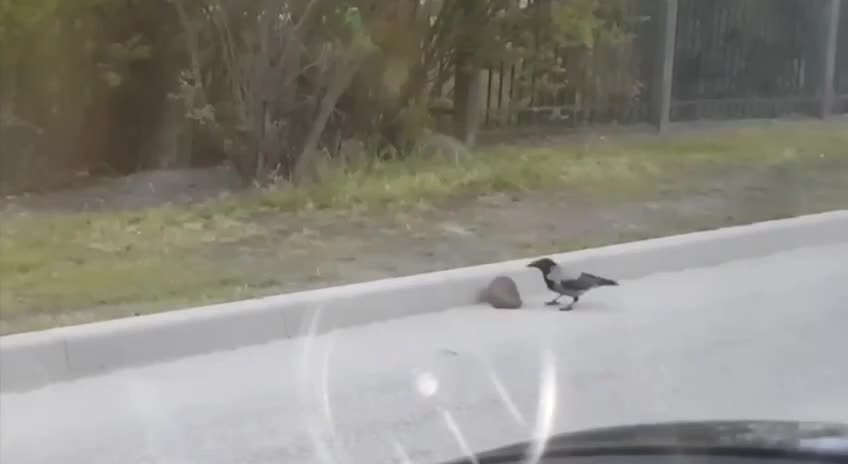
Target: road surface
[764,338]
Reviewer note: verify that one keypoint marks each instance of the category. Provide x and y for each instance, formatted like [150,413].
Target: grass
[52,265]
[418,182]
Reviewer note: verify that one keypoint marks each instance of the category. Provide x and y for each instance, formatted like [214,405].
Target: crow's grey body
[568,283]
[576,287]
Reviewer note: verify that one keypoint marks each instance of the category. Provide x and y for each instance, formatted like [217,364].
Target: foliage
[59,40]
[565,47]
[61,64]
[272,84]
[264,77]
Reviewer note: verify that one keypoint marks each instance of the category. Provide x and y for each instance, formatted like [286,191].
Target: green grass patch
[58,263]
[626,162]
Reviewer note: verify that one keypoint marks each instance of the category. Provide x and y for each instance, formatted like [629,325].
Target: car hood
[814,437]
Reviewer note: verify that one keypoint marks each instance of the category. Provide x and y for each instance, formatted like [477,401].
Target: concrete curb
[32,360]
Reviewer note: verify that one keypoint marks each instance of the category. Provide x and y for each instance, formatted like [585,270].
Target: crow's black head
[545,265]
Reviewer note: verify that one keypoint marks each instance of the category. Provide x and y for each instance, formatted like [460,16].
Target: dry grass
[52,264]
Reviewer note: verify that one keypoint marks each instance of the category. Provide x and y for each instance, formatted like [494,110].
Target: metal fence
[690,60]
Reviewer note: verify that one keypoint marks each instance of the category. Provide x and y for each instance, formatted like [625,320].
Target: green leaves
[57,55]
[361,42]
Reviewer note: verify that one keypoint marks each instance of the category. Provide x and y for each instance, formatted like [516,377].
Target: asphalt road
[764,339]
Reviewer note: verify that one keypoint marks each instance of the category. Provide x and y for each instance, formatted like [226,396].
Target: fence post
[475,108]
[665,69]
[831,21]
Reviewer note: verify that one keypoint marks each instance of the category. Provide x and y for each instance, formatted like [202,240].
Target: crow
[566,283]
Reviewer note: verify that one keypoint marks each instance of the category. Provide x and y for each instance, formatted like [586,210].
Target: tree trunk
[461,91]
[305,164]
[467,97]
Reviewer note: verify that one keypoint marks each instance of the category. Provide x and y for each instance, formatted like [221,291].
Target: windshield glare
[413,231]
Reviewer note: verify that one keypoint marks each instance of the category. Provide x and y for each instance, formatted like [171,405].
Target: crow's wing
[598,280]
[582,283]
[559,274]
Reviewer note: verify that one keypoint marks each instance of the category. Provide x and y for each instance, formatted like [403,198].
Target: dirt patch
[141,190]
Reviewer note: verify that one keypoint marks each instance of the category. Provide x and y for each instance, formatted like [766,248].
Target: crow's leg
[554,302]
[570,306]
